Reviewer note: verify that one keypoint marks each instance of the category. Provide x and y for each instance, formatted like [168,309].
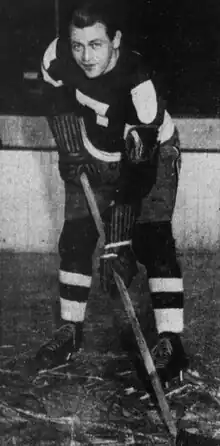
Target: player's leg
[76,247]
[154,246]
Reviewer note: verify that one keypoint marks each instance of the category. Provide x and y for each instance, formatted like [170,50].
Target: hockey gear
[67,134]
[182,437]
[78,155]
[169,358]
[146,357]
[92,205]
[139,164]
[118,254]
[141,143]
[123,261]
[58,350]
[73,158]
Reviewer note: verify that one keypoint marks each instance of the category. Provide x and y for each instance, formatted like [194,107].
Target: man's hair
[88,12]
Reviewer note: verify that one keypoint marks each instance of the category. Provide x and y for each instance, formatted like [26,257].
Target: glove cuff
[111,250]
[117,244]
[119,222]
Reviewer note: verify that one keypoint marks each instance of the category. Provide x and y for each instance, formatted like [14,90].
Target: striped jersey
[109,104]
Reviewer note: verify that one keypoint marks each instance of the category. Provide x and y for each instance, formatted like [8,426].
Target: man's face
[92,49]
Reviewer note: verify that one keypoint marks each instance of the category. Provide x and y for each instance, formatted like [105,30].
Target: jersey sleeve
[50,65]
[144,100]
[148,106]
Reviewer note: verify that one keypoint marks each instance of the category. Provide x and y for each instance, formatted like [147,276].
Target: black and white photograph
[109,223]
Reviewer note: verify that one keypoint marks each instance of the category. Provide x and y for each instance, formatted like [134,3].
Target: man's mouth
[88,66]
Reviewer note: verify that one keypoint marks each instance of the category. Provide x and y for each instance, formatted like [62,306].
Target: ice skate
[56,352]
[170,361]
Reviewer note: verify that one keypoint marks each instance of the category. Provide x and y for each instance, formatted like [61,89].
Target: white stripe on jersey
[99,107]
[96,153]
[145,101]
[49,56]
[166,129]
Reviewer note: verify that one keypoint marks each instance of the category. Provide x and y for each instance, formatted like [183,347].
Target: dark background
[181,39]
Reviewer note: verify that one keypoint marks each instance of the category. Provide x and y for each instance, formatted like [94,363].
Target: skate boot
[57,351]
[170,361]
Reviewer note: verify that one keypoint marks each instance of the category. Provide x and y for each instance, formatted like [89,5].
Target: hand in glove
[121,260]
[119,221]
[139,163]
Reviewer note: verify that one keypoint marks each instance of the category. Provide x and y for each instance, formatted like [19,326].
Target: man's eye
[76,47]
[96,45]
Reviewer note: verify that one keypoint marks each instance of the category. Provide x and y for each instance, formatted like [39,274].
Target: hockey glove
[141,142]
[118,255]
[139,163]
[66,130]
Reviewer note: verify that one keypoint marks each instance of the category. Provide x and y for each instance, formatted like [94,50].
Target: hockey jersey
[109,104]
[104,108]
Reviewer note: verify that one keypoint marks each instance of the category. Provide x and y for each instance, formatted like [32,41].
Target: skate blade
[173,387]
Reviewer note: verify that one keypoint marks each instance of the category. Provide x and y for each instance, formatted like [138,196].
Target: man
[108,122]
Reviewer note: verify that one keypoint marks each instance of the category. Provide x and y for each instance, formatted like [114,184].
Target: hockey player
[109,122]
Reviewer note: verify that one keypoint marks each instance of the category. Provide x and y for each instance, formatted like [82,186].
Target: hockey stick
[179,437]
[92,205]
[145,353]
[146,356]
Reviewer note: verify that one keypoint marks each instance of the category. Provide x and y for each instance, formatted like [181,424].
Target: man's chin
[91,73]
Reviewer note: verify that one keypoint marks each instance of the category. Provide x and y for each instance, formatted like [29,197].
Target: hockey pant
[76,247]
[154,244]
[79,236]
[154,247]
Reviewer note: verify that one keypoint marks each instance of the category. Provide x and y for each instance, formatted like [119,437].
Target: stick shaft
[145,353]
[92,205]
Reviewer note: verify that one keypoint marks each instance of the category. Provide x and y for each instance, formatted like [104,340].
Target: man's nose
[86,54]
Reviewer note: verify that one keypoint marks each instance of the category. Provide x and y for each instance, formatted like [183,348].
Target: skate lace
[162,353]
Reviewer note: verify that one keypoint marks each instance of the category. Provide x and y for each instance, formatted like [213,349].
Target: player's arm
[139,164]
[141,136]
[153,123]
[62,122]
[138,168]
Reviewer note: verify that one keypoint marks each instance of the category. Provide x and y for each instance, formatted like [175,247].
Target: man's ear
[117,39]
